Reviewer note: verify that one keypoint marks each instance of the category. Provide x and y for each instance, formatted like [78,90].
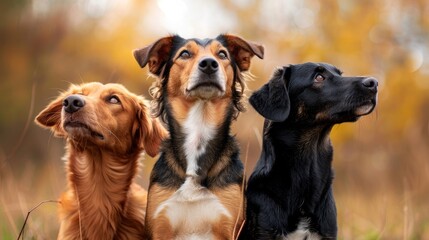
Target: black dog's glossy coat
[292,182]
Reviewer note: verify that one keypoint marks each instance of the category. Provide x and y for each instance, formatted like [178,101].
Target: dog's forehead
[115,87]
[84,88]
[202,43]
[311,67]
[98,88]
[196,45]
[333,69]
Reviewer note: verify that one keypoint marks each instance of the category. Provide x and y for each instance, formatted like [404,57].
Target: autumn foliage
[381,163]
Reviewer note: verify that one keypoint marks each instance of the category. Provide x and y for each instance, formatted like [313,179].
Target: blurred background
[381,162]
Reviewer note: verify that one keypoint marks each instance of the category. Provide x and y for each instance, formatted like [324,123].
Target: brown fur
[179,77]
[203,203]
[232,198]
[102,200]
[160,229]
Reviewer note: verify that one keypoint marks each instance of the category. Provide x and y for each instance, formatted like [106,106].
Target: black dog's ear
[156,54]
[272,99]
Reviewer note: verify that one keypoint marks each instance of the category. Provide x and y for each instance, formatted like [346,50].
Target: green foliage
[371,235]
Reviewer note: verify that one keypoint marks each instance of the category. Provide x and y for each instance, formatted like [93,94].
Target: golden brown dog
[196,185]
[106,128]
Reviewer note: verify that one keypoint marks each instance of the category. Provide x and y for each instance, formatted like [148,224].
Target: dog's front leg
[161,229]
[326,216]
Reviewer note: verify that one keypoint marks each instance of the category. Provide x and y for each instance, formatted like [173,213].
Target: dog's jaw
[206,87]
[365,108]
[78,131]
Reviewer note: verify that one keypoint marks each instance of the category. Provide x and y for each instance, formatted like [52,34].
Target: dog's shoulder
[167,172]
[229,168]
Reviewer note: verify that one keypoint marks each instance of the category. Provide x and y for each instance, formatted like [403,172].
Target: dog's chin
[81,131]
[354,113]
[205,92]
[365,108]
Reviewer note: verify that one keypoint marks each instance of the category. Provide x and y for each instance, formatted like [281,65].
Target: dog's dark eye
[185,54]
[319,78]
[113,100]
[222,54]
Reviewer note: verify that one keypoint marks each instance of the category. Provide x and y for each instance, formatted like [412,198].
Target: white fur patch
[302,232]
[198,133]
[194,236]
[192,210]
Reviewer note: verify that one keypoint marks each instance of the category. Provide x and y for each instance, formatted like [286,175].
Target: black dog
[289,194]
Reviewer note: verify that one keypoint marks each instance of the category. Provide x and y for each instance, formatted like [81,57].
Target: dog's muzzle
[207,81]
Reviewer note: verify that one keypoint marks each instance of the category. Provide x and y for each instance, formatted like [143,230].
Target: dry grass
[384,214]
[379,194]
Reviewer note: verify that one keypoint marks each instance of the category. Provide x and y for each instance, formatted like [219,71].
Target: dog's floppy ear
[150,132]
[242,50]
[156,54]
[50,117]
[272,100]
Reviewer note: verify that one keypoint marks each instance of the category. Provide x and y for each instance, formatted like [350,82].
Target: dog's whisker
[110,132]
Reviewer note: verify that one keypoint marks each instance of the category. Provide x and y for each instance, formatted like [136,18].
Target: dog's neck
[100,182]
[296,136]
[291,140]
[200,133]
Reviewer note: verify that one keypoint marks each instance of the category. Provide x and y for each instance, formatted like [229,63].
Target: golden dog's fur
[105,138]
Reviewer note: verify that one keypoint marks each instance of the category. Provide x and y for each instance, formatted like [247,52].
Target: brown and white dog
[195,187]
[106,128]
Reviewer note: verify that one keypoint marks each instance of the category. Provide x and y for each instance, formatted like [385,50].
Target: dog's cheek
[177,80]
[229,73]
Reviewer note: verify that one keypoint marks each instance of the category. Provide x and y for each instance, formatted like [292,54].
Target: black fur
[293,177]
[223,145]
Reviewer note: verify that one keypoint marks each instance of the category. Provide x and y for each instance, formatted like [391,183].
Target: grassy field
[381,216]
[369,205]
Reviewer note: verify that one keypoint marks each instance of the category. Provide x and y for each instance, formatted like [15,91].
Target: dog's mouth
[355,111]
[205,90]
[365,108]
[76,128]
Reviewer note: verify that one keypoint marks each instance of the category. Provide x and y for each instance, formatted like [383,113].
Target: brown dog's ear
[150,132]
[156,54]
[242,50]
[50,117]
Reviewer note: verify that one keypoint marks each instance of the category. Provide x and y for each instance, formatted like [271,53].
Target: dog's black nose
[73,103]
[208,65]
[370,83]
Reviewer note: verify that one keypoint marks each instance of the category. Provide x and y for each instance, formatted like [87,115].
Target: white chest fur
[198,132]
[192,210]
[302,232]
